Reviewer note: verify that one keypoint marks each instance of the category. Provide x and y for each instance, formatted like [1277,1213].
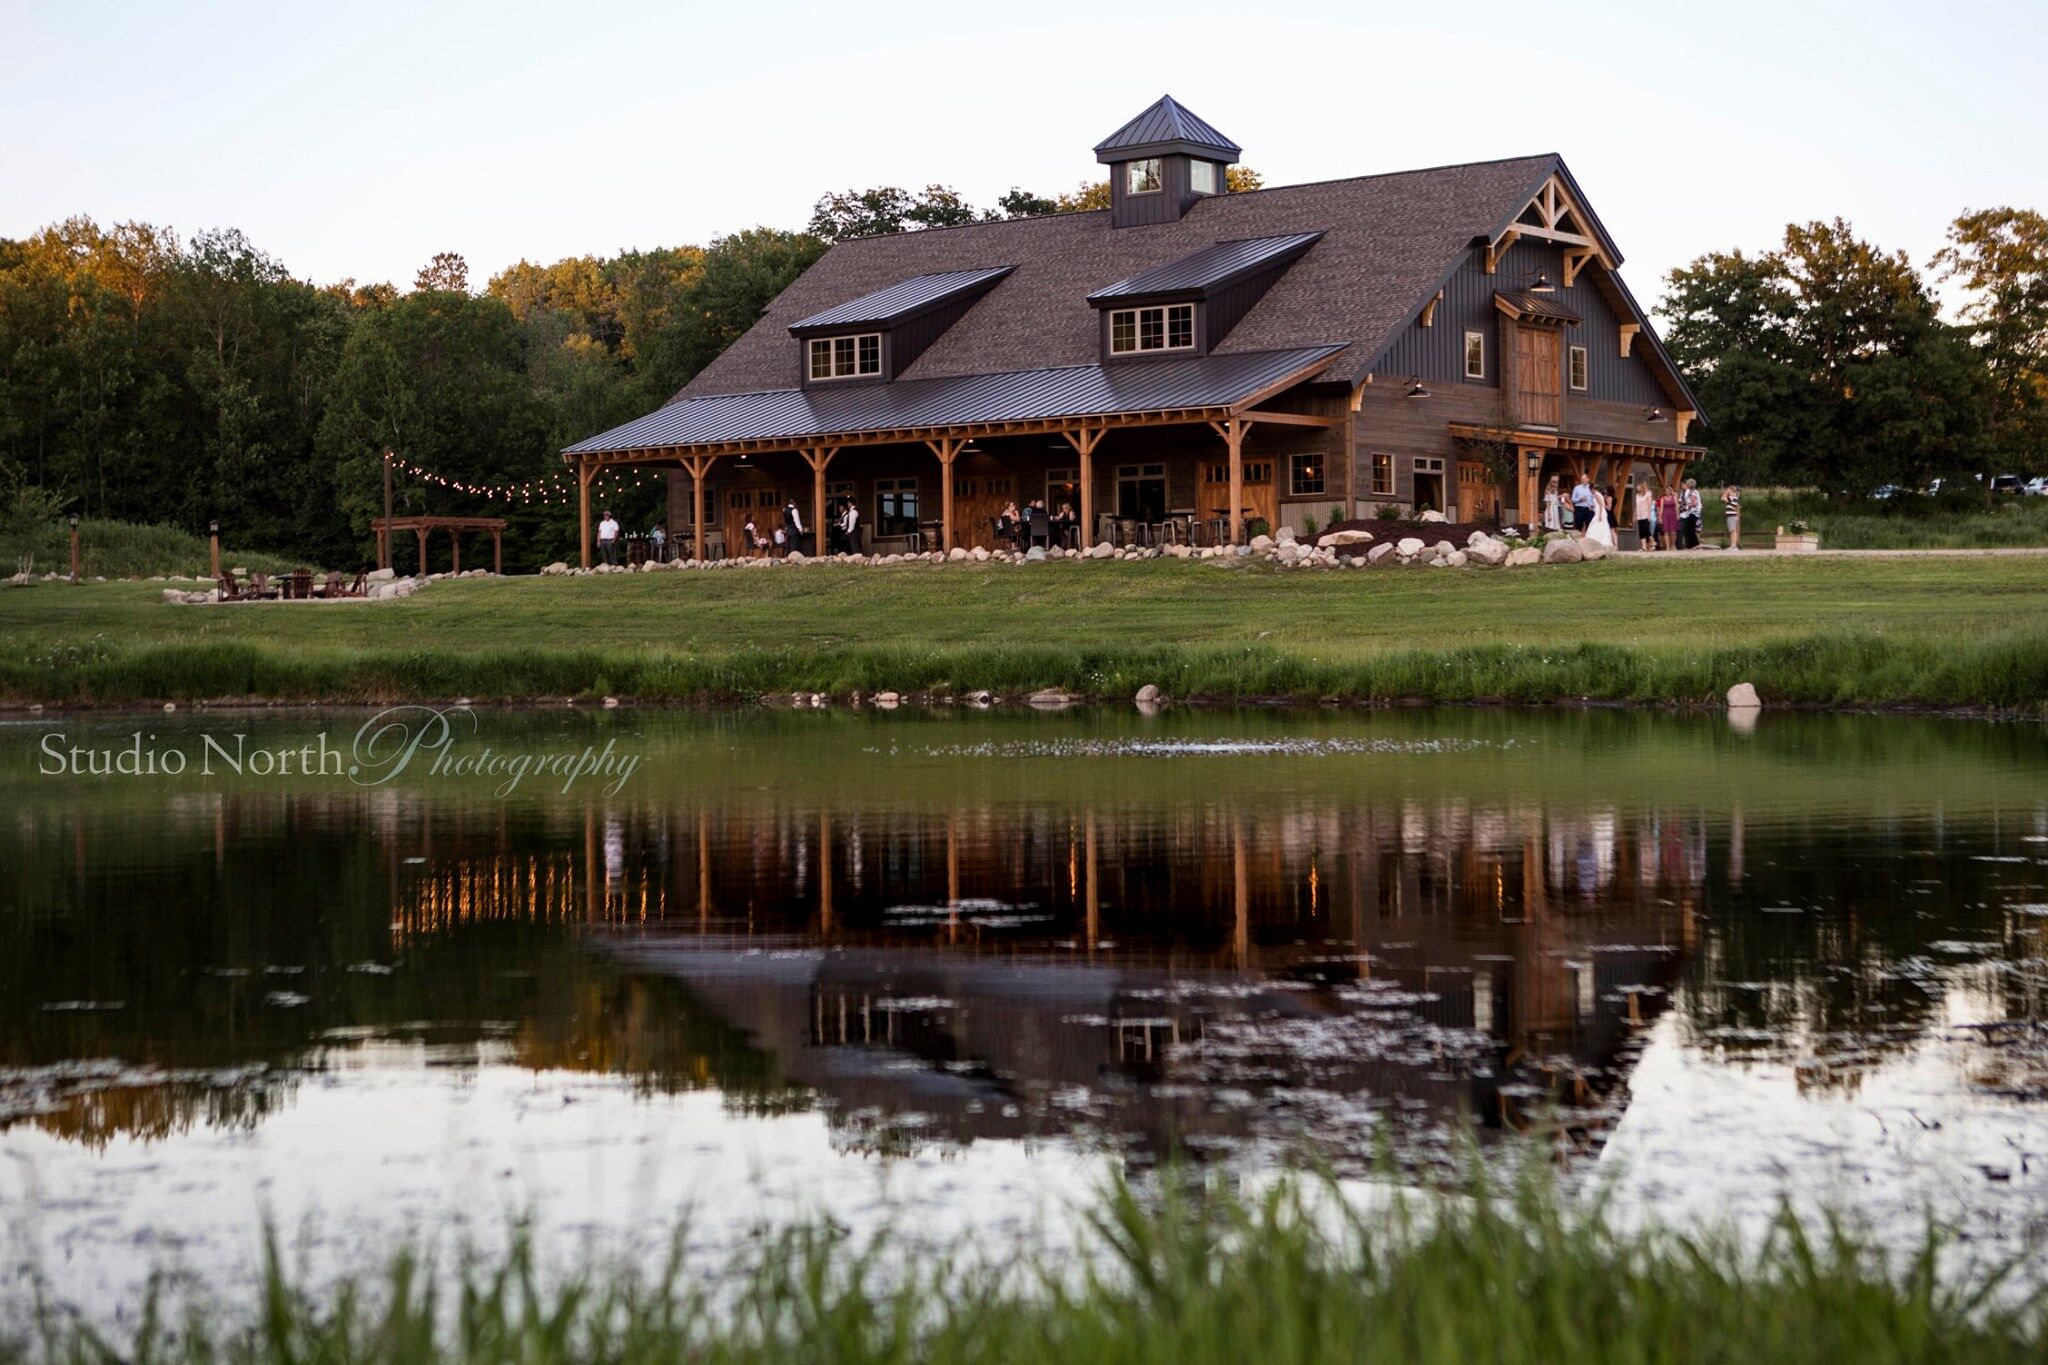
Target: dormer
[876,337]
[1189,304]
[1162,163]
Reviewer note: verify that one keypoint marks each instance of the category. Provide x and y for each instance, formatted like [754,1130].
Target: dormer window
[1168,327]
[1202,177]
[1144,177]
[846,357]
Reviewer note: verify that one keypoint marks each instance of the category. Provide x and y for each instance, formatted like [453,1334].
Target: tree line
[150,377]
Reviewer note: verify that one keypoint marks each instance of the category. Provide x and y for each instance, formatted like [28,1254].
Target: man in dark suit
[793,522]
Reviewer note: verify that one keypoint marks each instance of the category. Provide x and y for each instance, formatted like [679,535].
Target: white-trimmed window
[846,357]
[1578,367]
[1165,327]
[1144,176]
[1062,485]
[1304,475]
[1383,475]
[1202,177]
[1475,355]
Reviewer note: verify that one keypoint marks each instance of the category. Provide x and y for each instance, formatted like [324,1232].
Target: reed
[1190,1276]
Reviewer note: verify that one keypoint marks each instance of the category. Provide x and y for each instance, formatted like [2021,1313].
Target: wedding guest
[1553,506]
[1646,517]
[1667,519]
[1582,504]
[1731,509]
[1689,509]
[608,538]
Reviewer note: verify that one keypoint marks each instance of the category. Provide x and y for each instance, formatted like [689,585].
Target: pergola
[454,526]
[1611,462]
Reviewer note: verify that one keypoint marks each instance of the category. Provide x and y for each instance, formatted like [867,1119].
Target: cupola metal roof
[1167,128]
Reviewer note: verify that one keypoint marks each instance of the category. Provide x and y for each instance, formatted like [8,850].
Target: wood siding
[1437,353]
[1166,206]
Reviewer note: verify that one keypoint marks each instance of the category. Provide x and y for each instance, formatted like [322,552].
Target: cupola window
[1202,177]
[1143,176]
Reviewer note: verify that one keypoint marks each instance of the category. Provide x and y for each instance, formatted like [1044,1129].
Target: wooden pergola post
[421,532]
[454,550]
[498,553]
[698,466]
[1084,440]
[1232,431]
[817,457]
[584,469]
[947,448]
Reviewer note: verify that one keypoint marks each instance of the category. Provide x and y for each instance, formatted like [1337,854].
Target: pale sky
[357,139]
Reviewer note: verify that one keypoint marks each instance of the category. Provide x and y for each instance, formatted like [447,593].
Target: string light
[547,489]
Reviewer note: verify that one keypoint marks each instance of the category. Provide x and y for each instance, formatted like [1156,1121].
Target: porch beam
[818,457]
[947,448]
[698,467]
[1084,440]
[1289,419]
[584,470]
[1232,431]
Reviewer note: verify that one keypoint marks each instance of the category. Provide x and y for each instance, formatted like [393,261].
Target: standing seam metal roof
[1214,381]
[1215,265]
[1168,121]
[905,298]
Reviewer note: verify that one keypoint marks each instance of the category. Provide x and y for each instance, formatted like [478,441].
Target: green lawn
[1840,630]
[1908,522]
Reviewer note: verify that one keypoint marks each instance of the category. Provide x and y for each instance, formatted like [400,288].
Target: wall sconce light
[1415,389]
[1541,284]
[1535,461]
[1654,415]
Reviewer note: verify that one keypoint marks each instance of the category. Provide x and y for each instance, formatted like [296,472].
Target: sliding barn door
[1539,376]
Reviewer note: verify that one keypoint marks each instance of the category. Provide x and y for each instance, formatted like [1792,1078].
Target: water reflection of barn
[1176,975]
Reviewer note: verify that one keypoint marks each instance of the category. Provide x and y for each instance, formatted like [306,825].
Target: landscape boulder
[1487,552]
[1148,695]
[1562,551]
[1103,550]
[1743,697]
[1262,545]
[1592,549]
[1336,538]
[1384,550]
[1035,555]
[1522,556]
[1431,516]
[1408,546]
[1284,536]
[1051,697]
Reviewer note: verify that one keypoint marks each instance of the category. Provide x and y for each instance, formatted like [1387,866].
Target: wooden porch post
[946,448]
[1232,431]
[1084,440]
[583,472]
[698,466]
[817,457]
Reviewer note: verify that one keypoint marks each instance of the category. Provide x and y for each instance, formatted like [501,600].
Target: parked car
[1888,490]
[2005,483]
[2037,487]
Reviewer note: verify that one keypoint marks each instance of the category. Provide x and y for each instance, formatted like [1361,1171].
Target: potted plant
[1798,538]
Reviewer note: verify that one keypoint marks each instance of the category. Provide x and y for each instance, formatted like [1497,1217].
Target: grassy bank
[121,549]
[1943,633]
[1187,1281]
[1903,523]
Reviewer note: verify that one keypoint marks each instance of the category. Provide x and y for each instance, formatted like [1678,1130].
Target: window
[1304,474]
[895,507]
[1167,327]
[739,500]
[1062,486]
[1578,363]
[1142,177]
[1383,474]
[846,357]
[1475,355]
[1202,177]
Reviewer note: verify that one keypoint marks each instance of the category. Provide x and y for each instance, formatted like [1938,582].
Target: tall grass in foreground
[121,549]
[1187,1279]
[2003,672]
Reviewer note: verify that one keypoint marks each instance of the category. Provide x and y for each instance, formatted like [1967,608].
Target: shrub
[1388,512]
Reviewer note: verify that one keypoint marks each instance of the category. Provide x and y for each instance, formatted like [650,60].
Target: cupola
[1162,162]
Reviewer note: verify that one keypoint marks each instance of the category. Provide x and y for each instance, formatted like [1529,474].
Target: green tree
[888,208]
[2000,256]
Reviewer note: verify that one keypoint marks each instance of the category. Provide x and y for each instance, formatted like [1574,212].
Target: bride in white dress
[1602,528]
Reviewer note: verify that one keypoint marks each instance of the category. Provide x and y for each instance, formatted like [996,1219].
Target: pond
[615,969]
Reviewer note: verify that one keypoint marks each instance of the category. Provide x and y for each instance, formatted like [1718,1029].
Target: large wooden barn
[1392,339]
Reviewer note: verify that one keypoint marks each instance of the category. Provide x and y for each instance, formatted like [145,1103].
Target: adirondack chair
[299,586]
[260,586]
[230,590]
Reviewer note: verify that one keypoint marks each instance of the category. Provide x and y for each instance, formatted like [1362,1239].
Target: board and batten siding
[1437,352]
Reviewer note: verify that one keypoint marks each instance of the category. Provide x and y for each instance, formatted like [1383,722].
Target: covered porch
[1612,462]
[1173,469]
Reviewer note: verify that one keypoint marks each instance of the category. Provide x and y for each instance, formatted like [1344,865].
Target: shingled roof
[1388,243]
